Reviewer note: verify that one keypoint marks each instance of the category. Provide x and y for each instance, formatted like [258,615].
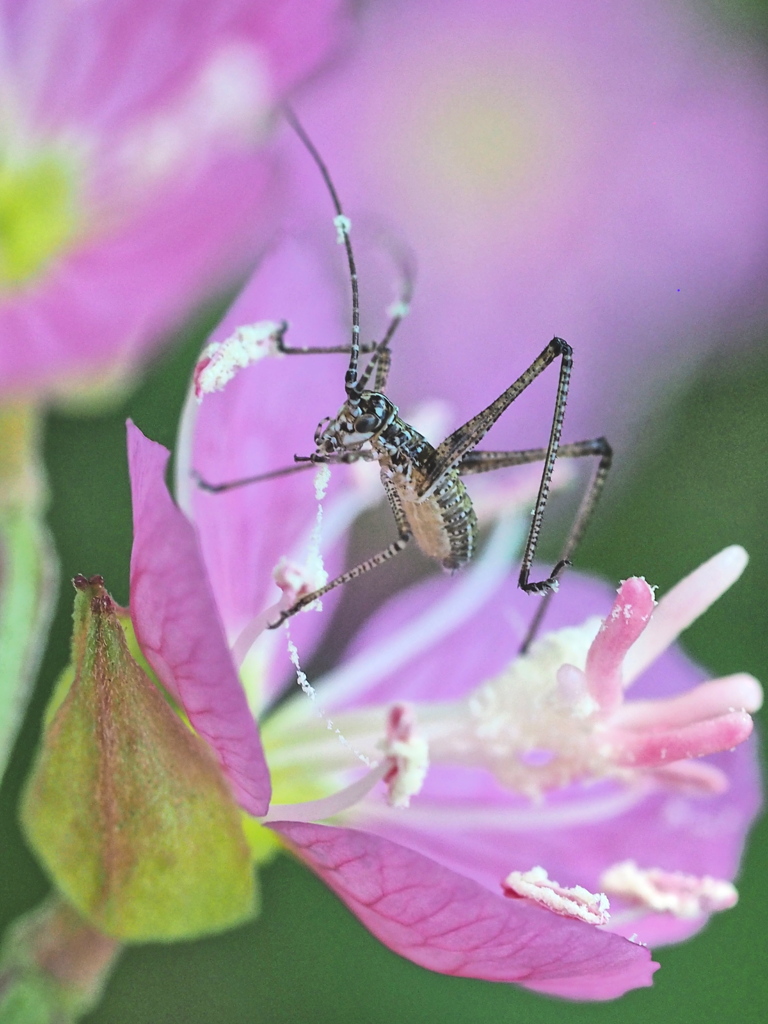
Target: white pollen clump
[673,892]
[322,477]
[315,564]
[568,901]
[540,701]
[222,360]
[296,580]
[343,226]
[409,753]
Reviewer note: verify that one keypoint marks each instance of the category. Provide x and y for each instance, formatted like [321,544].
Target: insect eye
[366,424]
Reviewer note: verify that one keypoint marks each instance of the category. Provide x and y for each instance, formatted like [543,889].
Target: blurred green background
[699,485]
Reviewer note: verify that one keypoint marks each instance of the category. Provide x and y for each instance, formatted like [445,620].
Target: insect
[424,485]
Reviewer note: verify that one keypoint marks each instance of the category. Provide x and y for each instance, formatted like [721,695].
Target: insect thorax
[438,510]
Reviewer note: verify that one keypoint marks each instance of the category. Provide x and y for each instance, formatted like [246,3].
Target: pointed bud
[126,807]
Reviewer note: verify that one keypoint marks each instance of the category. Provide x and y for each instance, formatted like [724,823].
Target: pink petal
[106,63]
[624,623]
[482,600]
[99,76]
[450,924]
[177,625]
[104,304]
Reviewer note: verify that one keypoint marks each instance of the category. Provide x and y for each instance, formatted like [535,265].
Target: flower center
[37,214]
[531,726]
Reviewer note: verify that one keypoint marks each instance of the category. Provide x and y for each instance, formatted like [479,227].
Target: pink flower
[132,177]
[587,171]
[540,782]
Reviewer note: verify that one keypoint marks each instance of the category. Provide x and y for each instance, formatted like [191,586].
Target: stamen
[329,806]
[651,748]
[314,556]
[575,901]
[408,754]
[739,692]
[685,896]
[184,486]
[221,360]
[694,777]
[294,580]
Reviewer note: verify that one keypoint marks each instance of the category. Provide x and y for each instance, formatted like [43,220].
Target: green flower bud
[126,807]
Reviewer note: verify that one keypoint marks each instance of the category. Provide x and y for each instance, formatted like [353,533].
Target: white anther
[297,580]
[409,754]
[568,901]
[673,892]
[221,360]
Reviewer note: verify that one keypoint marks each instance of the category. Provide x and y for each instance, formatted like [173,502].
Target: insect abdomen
[444,524]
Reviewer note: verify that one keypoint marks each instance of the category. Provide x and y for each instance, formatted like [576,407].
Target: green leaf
[126,807]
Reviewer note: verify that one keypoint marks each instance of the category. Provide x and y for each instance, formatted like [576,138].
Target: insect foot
[549,585]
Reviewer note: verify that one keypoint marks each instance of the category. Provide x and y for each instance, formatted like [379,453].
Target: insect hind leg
[455,449]
[484,462]
[404,536]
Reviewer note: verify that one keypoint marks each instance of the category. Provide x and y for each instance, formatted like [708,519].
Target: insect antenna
[397,311]
[351,383]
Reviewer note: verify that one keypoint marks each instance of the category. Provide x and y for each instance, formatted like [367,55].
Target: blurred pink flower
[538,764]
[132,177]
[592,171]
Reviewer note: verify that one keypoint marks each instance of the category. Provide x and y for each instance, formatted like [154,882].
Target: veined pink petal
[177,625]
[683,604]
[448,923]
[620,629]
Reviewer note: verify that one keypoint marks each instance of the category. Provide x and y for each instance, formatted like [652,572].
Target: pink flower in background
[132,182]
[542,786]
[591,171]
